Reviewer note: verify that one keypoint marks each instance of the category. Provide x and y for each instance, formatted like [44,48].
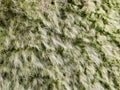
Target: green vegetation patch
[59,44]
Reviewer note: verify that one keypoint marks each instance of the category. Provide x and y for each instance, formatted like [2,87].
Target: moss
[59,45]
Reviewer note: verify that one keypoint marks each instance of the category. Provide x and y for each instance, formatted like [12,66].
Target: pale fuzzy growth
[59,44]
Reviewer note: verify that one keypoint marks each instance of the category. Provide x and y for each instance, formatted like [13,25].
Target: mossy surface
[59,44]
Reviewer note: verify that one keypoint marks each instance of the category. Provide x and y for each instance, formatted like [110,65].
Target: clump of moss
[59,44]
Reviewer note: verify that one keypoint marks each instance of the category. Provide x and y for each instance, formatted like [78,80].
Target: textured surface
[59,44]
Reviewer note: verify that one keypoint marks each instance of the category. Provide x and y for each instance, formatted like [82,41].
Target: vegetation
[59,44]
